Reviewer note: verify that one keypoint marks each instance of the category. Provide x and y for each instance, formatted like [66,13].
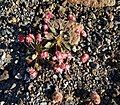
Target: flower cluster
[41,45]
[29,38]
[60,61]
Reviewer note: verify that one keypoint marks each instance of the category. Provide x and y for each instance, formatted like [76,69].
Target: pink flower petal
[71,17]
[38,37]
[58,69]
[34,75]
[31,36]
[85,58]
[84,33]
[44,54]
[49,15]
[29,39]
[21,38]
[45,27]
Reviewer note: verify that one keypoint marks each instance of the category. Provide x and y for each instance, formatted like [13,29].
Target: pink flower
[45,27]
[58,69]
[59,55]
[44,54]
[46,20]
[85,58]
[69,56]
[46,32]
[30,38]
[67,67]
[64,55]
[49,15]
[33,73]
[21,38]
[78,31]
[71,17]
[38,37]
[54,58]
[84,33]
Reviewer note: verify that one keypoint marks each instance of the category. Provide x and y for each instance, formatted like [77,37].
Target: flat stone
[13,86]
[4,76]
[43,103]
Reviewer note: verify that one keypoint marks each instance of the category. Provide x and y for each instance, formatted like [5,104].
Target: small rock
[2,103]
[55,76]
[13,86]
[18,76]
[4,76]
[74,49]
[43,103]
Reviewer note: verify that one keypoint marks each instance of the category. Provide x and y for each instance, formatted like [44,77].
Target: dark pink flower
[21,38]
[38,38]
[85,58]
[29,39]
[44,54]
[71,17]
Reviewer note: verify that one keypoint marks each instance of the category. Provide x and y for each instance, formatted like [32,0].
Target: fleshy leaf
[53,30]
[48,45]
[67,46]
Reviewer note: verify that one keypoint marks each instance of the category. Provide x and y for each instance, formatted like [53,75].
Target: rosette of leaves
[58,37]
[63,34]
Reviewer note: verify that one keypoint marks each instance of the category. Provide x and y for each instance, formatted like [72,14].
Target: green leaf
[48,45]
[53,30]
[67,46]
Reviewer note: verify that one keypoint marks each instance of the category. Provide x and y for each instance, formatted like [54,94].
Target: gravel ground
[101,73]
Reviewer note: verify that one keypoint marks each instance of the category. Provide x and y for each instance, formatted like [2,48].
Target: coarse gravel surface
[101,73]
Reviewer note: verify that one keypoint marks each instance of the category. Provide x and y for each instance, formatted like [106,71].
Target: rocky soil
[101,73]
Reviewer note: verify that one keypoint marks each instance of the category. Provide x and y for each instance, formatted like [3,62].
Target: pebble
[2,103]
[74,48]
[55,76]
[18,76]
[13,86]
[43,103]
[4,76]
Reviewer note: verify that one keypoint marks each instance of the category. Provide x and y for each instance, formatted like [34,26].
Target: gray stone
[13,86]
[43,103]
